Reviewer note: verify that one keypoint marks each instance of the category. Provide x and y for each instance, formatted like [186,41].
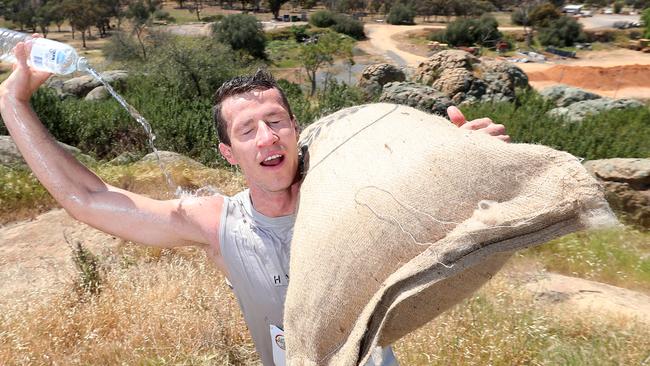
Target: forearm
[69,182]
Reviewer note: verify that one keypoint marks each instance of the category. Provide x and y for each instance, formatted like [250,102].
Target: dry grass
[23,197]
[155,307]
[504,325]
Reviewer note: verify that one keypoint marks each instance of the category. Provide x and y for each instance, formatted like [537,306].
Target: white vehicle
[608,11]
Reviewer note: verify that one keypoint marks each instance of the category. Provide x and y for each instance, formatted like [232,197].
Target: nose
[265,135]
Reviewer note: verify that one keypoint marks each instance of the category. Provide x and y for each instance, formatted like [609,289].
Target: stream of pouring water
[143,122]
[178,191]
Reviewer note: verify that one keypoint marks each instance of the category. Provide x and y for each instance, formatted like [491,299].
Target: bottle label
[47,55]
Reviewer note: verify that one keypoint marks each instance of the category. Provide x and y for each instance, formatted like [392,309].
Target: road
[607,20]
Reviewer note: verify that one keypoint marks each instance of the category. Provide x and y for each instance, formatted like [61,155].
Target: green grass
[503,18]
[620,257]
[527,121]
[284,54]
[21,195]
[503,324]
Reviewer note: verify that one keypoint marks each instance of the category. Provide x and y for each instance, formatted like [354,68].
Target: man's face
[263,139]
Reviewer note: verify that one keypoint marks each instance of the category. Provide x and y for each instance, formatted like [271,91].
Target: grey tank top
[255,249]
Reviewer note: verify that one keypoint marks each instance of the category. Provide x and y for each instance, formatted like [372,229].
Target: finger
[504,138]
[21,55]
[39,77]
[37,35]
[478,124]
[456,116]
[495,130]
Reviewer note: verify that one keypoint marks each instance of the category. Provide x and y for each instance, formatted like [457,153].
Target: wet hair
[261,80]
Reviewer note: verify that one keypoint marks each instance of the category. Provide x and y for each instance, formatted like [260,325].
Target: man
[247,235]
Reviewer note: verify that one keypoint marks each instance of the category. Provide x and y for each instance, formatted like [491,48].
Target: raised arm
[84,195]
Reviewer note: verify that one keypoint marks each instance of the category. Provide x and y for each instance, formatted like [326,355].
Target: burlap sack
[402,215]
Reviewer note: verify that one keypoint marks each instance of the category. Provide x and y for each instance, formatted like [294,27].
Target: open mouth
[273,160]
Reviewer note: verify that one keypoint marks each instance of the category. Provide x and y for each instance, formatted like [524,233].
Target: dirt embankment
[617,81]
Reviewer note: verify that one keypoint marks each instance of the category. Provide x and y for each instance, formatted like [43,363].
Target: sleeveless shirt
[255,250]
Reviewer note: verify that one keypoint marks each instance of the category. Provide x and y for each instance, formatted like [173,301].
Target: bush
[212,18]
[160,14]
[122,47]
[645,19]
[191,67]
[346,25]
[543,15]
[617,133]
[561,32]
[322,19]
[468,32]
[401,14]
[241,32]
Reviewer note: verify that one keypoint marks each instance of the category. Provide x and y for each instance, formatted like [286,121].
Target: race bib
[277,340]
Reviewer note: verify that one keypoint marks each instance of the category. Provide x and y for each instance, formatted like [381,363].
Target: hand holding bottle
[23,81]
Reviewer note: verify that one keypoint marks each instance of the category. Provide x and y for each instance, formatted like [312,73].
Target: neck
[275,204]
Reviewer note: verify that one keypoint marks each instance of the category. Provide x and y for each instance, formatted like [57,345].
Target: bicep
[148,221]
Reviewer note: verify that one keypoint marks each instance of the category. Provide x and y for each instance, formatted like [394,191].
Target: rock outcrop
[466,78]
[416,95]
[578,111]
[99,93]
[374,77]
[575,104]
[82,85]
[10,156]
[564,95]
[627,186]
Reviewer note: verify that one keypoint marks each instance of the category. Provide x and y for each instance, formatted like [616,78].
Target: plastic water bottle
[46,55]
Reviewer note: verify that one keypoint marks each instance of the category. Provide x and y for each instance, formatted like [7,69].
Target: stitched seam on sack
[573,220]
[353,135]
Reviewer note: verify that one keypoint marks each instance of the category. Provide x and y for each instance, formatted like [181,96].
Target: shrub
[467,32]
[160,14]
[336,96]
[618,6]
[191,67]
[322,19]
[617,133]
[212,18]
[561,32]
[346,25]
[544,14]
[122,47]
[299,33]
[401,14]
[241,32]
[89,281]
[645,18]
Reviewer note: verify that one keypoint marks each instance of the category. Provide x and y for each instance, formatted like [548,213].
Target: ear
[296,127]
[226,151]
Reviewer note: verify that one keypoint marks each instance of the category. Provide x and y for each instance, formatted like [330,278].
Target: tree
[43,18]
[645,17]
[350,6]
[241,32]
[618,6]
[81,15]
[196,7]
[561,32]
[274,6]
[468,32]
[57,13]
[140,13]
[543,15]
[315,55]
[401,14]
[522,16]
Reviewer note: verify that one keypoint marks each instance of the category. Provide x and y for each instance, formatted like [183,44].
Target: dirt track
[618,73]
